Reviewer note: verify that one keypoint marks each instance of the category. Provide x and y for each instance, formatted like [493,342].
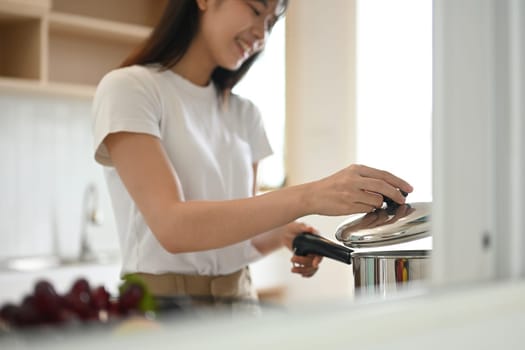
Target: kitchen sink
[30,263]
[46,262]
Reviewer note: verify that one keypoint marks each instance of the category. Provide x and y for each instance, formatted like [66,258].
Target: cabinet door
[20,46]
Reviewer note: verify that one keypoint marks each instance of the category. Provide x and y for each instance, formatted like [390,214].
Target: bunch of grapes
[80,304]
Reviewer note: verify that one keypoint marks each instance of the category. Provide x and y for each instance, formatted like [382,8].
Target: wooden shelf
[141,12]
[64,47]
[98,28]
[24,8]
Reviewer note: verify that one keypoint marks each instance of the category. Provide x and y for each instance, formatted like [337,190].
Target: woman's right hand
[355,189]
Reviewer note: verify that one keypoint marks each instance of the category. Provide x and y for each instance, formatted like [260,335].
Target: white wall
[394,90]
[320,102]
[46,163]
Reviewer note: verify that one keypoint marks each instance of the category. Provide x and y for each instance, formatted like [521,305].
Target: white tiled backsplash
[46,163]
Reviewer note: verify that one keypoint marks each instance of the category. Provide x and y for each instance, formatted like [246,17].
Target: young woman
[181,154]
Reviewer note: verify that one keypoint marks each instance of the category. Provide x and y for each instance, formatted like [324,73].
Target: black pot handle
[307,243]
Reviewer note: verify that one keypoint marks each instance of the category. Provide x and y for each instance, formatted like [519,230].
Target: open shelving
[64,47]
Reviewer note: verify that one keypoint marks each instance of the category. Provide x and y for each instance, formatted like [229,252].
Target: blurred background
[375,93]
[429,90]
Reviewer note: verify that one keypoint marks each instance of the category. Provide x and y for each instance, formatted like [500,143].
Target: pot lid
[386,226]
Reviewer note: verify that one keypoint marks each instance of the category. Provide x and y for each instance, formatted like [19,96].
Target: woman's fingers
[302,260]
[306,266]
[305,271]
[355,189]
[317,260]
[363,208]
[291,230]
[382,188]
[372,199]
[385,176]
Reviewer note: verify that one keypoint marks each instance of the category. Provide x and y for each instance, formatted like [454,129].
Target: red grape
[131,297]
[114,308]
[80,285]
[8,312]
[46,300]
[80,303]
[27,314]
[100,298]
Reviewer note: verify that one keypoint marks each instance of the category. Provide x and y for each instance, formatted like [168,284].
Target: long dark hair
[172,36]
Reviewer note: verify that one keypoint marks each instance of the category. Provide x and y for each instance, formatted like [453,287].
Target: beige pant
[237,285]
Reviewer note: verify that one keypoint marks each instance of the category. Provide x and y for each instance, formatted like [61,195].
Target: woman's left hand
[308,265]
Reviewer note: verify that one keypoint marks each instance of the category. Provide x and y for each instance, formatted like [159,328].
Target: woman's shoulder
[130,82]
[132,74]
[129,85]
[242,105]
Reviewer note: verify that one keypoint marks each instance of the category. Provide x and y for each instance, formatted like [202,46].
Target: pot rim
[394,254]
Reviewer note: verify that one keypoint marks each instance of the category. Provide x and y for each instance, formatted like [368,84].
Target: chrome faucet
[91,216]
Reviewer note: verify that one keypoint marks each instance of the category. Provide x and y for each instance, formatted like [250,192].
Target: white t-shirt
[211,147]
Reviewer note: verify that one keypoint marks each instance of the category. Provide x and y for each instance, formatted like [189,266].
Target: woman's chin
[232,66]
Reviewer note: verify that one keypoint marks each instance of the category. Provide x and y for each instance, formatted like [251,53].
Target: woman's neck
[195,65]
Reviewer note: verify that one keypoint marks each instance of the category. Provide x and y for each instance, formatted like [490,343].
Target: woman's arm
[270,241]
[184,226]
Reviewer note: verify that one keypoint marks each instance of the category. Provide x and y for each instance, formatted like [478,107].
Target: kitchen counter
[474,317]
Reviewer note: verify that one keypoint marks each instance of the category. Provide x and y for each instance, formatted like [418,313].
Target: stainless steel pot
[377,272]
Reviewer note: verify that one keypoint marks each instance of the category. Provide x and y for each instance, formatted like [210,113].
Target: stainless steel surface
[375,272]
[381,273]
[47,262]
[386,226]
[29,263]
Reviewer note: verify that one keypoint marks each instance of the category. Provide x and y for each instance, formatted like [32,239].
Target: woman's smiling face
[233,30]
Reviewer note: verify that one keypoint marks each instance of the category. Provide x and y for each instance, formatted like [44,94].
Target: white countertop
[482,317]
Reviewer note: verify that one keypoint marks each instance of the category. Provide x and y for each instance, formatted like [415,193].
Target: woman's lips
[244,48]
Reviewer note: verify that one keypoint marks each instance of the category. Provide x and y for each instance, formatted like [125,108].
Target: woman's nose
[260,31]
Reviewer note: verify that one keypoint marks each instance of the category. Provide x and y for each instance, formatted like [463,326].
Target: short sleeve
[125,100]
[250,253]
[256,134]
